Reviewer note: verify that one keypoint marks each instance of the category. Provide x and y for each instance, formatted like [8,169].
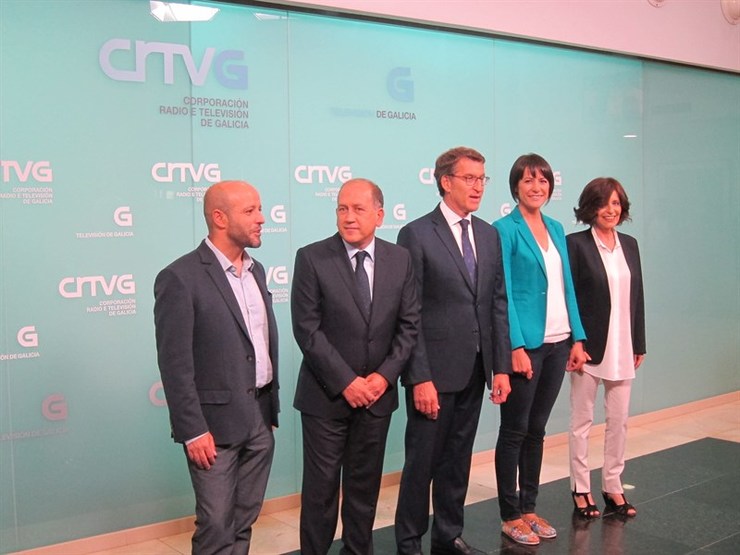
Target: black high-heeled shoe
[589,511]
[625,509]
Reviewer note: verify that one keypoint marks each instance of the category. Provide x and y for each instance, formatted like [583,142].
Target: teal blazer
[526,280]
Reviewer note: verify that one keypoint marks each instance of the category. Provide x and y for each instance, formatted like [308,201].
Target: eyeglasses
[471,180]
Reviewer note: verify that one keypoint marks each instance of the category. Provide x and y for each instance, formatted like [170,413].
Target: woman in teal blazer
[546,340]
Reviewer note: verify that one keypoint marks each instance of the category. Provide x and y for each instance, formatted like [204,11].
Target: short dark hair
[596,195]
[531,162]
[446,161]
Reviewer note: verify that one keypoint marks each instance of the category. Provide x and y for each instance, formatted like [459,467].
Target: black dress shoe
[458,546]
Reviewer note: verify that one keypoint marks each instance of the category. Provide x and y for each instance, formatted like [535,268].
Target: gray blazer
[205,355]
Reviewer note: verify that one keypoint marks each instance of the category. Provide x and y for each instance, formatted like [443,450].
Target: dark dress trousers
[207,363]
[339,343]
[464,339]
[592,291]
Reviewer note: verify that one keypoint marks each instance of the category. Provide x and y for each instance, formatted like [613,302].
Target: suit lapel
[528,238]
[443,231]
[216,273]
[482,251]
[591,250]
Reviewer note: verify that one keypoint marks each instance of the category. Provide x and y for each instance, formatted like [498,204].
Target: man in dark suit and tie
[463,345]
[355,317]
[217,349]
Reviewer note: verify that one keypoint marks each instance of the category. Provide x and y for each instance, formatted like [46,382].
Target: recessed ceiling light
[168,12]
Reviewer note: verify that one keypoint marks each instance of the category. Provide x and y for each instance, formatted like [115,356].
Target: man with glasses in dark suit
[463,345]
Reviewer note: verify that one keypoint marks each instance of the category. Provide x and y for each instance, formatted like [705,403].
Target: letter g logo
[277,214]
[399,212]
[156,395]
[123,216]
[54,407]
[398,86]
[27,337]
[505,209]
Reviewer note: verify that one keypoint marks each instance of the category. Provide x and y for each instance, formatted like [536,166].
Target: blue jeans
[522,432]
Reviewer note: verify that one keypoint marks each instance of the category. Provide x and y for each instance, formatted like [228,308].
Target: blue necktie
[467,249]
[362,281]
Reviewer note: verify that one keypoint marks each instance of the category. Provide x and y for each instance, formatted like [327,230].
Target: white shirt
[619,361]
[557,325]
[252,307]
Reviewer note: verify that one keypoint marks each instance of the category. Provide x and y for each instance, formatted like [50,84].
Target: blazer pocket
[214,396]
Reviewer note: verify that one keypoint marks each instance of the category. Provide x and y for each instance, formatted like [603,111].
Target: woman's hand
[521,363]
[577,358]
[638,360]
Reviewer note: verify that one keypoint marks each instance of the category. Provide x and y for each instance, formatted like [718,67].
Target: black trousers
[438,455]
[348,450]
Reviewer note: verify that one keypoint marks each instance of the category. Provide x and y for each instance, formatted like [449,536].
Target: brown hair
[446,161]
[596,195]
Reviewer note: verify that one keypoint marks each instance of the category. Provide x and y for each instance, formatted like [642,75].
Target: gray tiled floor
[688,499]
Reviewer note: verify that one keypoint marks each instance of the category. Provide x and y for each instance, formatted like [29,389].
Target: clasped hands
[363,392]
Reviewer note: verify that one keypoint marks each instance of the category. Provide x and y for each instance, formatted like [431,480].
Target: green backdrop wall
[112,124]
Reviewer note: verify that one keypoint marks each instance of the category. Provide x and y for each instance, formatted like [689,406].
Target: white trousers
[583,389]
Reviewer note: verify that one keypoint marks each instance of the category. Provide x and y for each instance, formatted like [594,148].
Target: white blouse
[619,361]
[557,325]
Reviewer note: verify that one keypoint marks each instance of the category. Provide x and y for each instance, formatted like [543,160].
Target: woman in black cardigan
[608,281]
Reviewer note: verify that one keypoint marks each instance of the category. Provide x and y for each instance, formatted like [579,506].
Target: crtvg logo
[27,337]
[426,176]
[277,275]
[168,172]
[505,209]
[313,174]
[39,171]
[123,217]
[76,287]
[228,73]
[278,215]
[400,87]
[399,212]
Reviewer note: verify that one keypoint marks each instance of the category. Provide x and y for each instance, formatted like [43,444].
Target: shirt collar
[600,243]
[450,216]
[225,263]
[352,251]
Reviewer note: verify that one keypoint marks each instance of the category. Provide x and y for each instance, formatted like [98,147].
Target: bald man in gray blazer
[217,348]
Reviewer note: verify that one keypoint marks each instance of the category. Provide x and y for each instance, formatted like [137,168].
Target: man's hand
[202,451]
[426,400]
[358,393]
[501,388]
[377,385]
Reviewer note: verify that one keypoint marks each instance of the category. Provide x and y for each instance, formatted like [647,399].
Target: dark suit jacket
[205,355]
[592,291]
[455,317]
[337,342]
